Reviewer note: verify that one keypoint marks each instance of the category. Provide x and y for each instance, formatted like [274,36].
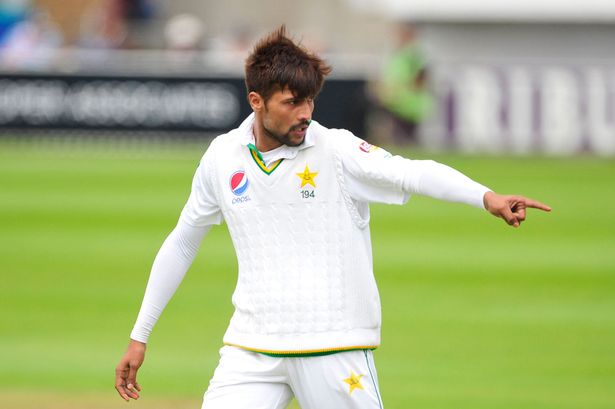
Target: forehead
[282,94]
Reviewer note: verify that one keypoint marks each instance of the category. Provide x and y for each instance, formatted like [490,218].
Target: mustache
[300,125]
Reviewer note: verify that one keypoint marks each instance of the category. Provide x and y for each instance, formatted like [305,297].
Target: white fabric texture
[305,281]
[169,268]
[373,175]
[365,174]
[201,208]
[245,379]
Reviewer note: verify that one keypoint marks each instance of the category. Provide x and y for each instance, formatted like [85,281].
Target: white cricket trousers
[249,380]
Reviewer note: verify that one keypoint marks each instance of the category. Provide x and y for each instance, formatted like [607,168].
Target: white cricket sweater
[301,234]
[305,281]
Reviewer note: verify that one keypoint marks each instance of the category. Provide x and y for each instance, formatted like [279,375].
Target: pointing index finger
[535,204]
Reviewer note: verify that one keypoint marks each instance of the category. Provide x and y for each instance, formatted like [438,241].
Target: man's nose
[305,111]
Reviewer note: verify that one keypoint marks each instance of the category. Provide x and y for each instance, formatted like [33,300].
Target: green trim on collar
[258,159]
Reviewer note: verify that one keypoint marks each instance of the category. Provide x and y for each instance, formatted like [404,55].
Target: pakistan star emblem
[307,177]
[354,381]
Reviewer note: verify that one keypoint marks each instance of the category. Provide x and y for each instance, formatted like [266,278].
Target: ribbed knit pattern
[305,273]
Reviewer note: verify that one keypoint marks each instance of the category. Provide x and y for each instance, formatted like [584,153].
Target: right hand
[126,371]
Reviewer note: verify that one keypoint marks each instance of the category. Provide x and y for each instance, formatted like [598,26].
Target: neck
[263,141]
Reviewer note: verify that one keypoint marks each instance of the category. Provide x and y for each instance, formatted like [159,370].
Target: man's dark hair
[277,62]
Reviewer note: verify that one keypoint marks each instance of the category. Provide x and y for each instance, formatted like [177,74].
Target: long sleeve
[433,179]
[374,175]
[170,265]
[179,249]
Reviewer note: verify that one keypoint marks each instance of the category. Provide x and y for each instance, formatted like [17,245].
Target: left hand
[511,208]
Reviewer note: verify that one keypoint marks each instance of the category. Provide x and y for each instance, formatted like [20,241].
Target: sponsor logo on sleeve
[367,147]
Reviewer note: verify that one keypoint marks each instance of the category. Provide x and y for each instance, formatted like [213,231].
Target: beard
[285,138]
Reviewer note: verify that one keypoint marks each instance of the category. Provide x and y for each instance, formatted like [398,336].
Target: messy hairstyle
[277,63]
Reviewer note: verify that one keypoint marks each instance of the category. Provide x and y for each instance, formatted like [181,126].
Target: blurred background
[513,77]
[106,107]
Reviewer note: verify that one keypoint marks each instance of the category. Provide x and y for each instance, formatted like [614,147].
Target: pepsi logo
[239,183]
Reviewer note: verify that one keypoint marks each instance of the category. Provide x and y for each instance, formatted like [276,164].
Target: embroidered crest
[307,177]
[354,381]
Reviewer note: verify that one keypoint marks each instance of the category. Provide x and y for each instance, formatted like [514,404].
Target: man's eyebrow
[289,99]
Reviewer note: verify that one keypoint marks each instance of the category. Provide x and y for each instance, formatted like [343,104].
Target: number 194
[306,194]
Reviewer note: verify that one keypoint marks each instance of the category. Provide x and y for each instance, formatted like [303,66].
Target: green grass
[475,314]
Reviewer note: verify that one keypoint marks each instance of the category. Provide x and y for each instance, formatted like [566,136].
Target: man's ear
[256,101]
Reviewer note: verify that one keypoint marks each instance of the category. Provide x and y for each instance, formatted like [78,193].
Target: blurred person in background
[104,25]
[184,32]
[12,12]
[183,35]
[136,10]
[31,44]
[403,90]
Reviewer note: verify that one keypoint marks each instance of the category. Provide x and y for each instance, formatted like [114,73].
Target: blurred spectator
[32,43]
[403,92]
[144,28]
[104,25]
[12,12]
[183,36]
[135,10]
[184,32]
